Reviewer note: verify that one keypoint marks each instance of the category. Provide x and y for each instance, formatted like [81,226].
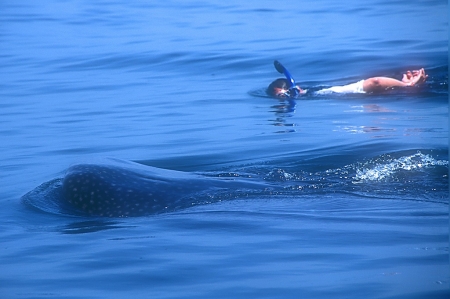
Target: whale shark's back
[115,188]
[102,190]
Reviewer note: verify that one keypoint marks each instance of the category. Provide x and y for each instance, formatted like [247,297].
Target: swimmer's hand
[412,78]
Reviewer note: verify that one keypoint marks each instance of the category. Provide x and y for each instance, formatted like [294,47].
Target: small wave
[375,169]
[387,168]
[404,175]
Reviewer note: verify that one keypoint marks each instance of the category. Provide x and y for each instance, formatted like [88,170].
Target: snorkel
[293,92]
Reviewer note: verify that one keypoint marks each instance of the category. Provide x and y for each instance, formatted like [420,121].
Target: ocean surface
[352,196]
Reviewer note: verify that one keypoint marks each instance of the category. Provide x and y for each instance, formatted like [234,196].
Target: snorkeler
[286,87]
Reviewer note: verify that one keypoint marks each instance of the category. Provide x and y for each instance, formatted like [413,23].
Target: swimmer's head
[280,88]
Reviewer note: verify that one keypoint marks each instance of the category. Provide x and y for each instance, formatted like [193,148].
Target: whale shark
[117,188]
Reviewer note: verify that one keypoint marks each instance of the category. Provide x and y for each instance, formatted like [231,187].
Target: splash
[387,168]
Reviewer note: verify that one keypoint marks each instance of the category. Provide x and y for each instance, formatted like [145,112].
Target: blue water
[359,200]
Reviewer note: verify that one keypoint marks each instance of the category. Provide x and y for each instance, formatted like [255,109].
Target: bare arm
[379,84]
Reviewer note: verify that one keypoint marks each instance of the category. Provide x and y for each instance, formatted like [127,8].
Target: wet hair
[282,83]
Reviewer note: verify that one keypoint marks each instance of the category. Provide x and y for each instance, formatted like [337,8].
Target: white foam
[384,170]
